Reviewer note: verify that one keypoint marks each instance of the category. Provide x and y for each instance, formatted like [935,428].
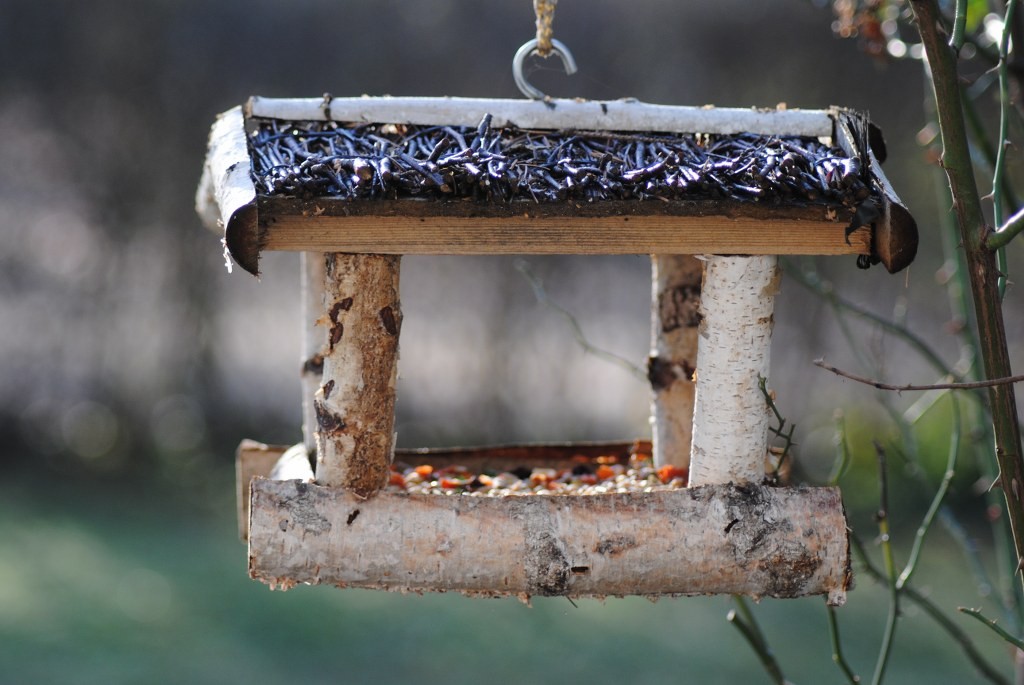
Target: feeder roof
[467,176]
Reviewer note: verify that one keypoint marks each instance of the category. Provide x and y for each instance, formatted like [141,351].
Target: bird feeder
[354,183]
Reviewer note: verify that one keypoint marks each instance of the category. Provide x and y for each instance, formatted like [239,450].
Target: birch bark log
[731,416]
[675,315]
[355,404]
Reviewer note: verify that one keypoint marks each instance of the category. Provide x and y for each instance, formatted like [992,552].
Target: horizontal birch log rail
[748,539]
[597,115]
[256,460]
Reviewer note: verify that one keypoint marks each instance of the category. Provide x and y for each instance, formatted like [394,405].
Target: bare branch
[890,568]
[743,619]
[995,627]
[837,650]
[914,388]
[1007,232]
[955,632]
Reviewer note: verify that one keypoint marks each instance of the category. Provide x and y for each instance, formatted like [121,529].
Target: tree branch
[1007,232]
[745,622]
[884,536]
[974,385]
[992,625]
[837,650]
[981,264]
[932,609]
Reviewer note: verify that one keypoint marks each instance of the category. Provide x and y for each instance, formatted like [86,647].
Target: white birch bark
[675,302]
[751,540]
[607,115]
[355,404]
[731,417]
[314,339]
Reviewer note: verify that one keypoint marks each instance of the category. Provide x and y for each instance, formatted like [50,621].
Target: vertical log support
[355,404]
[731,417]
[314,340]
[675,316]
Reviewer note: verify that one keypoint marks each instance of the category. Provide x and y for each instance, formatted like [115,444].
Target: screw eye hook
[530,48]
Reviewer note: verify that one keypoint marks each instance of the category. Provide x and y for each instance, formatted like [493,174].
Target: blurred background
[132,362]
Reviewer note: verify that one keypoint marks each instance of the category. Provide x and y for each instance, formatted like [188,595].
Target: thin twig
[780,430]
[890,570]
[980,141]
[992,625]
[745,622]
[813,282]
[956,41]
[542,296]
[837,650]
[914,388]
[842,461]
[1007,232]
[940,495]
[929,607]
[1004,135]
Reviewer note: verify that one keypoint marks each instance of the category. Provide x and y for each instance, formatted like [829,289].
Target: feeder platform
[354,183]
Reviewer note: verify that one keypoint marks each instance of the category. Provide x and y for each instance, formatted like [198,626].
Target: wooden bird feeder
[356,183]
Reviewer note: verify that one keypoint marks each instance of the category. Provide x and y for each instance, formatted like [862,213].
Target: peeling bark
[675,316]
[314,341]
[751,540]
[355,405]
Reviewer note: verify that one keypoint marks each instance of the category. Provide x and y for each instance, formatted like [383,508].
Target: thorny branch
[957,163]
[993,626]
[929,607]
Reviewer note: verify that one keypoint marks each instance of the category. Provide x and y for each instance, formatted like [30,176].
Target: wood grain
[652,234]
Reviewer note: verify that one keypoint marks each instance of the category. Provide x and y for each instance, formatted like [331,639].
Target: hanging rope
[545,10]
[543,45]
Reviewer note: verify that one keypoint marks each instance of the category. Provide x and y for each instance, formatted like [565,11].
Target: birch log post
[731,417]
[675,315]
[355,404]
[314,339]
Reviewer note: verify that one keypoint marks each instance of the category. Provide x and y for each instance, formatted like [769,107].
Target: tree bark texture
[731,417]
[675,317]
[355,404]
[314,339]
[587,115]
[981,264]
[751,540]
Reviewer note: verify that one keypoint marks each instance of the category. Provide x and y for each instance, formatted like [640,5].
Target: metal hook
[529,48]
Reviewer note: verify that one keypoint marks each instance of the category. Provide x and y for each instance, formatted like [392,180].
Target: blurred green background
[132,363]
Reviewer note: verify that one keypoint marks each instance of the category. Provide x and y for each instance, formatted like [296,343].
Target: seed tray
[586,477]
[309,159]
